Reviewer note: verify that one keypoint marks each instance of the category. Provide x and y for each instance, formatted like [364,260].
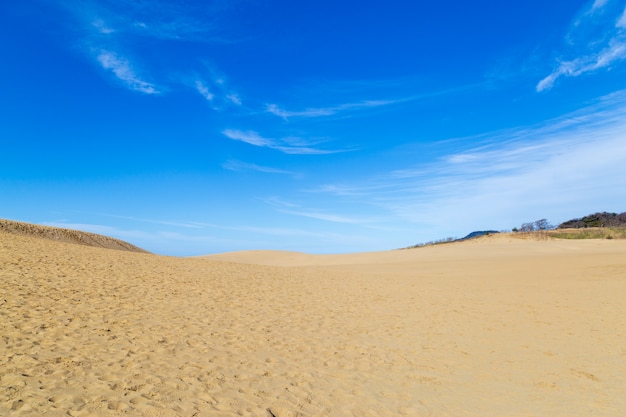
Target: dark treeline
[603,219]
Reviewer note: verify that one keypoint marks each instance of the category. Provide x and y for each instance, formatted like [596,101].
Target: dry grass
[589,233]
[573,234]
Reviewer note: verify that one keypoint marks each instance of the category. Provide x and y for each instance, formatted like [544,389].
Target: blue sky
[196,127]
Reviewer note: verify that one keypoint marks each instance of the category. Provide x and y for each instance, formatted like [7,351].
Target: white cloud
[274,109]
[110,26]
[189,225]
[279,202]
[598,4]
[604,51]
[101,26]
[204,90]
[125,72]
[152,18]
[234,98]
[213,87]
[548,82]
[566,167]
[286,145]
[328,111]
[621,22]
[615,52]
[102,230]
[249,137]
[328,217]
[233,165]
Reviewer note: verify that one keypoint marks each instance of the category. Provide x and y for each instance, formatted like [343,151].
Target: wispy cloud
[102,27]
[187,225]
[234,165]
[234,98]
[294,209]
[563,167]
[114,28]
[279,202]
[289,145]
[149,18]
[213,86]
[249,137]
[204,91]
[329,111]
[598,52]
[598,4]
[328,217]
[283,231]
[615,52]
[124,71]
[102,230]
[621,23]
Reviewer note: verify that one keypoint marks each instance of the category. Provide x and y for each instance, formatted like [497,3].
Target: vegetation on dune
[433,242]
[603,219]
[594,226]
[590,233]
[454,239]
[537,225]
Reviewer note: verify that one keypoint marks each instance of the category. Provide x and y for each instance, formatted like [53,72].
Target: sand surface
[492,327]
[66,235]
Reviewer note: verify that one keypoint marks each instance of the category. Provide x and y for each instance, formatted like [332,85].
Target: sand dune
[66,235]
[496,327]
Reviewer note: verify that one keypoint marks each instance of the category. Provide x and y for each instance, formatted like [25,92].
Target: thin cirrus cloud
[598,54]
[214,88]
[328,111]
[598,4]
[234,98]
[234,165]
[621,23]
[106,28]
[102,230]
[102,27]
[187,225]
[103,31]
[214,94]
[294,146]
[327,217]
[156,19]
[615,52]
[125,72]
[560,168]
[293,209]
[204,91]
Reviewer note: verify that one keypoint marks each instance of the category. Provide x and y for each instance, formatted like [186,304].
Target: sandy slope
[496,327]
[66,235]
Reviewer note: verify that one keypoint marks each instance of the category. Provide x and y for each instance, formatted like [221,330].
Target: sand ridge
[66,235]
[493,328]
[504,245]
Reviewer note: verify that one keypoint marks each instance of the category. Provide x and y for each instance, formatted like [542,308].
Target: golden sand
[492,327]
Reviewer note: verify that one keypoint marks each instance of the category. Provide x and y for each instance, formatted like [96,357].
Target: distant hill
[66,235]
[596,220]
[472,235]
[478,234]
[603,219]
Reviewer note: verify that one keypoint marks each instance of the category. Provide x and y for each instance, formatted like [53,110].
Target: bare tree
[543,224]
